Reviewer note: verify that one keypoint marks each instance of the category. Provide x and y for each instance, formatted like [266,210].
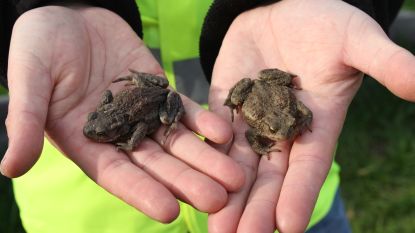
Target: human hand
[326,43]
[61,61]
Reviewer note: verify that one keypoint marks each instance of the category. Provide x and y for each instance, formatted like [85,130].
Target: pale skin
[326,43]
[61,61]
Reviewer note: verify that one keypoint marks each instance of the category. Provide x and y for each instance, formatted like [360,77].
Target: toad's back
[265,98]
[140,103]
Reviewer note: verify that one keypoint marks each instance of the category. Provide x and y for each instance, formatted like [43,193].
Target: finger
[259,213]
[114,171]
[370,50]
[310,160]
[186,146]
[217,96]
[120,177]
[206,123]
[29,92]
[227,219]
[187,184]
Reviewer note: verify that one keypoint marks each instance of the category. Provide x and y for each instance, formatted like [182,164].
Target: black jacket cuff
[223,12]
[217,22]
[10,10]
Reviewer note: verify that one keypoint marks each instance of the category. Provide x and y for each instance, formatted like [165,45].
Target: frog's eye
[100,133]
[92,116]
[274,126]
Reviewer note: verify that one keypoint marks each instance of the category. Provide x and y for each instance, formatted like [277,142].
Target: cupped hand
[61,61]
[327,44]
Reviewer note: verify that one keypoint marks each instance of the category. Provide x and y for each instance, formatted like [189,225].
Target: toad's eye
[101,133]
[274,127]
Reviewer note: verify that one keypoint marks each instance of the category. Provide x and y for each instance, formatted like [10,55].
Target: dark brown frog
[135,112]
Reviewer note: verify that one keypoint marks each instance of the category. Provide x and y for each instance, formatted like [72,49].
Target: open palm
[61,61]
[327,44]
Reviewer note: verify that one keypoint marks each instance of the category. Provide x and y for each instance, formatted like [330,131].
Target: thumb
[29,91]
[370,50]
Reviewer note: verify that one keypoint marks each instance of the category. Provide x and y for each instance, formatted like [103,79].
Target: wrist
[217,22]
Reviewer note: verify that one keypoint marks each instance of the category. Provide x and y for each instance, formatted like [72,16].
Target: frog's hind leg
[140,132]
[260,144]
[170,113]
[278,76]
[141,79]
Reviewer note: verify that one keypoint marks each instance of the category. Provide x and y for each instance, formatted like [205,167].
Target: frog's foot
[237,109]
[233,108]
[125,78]
[126,147]
[306,116]
[139,133]
[167,132]
[170,113]
[295,87]
[232,115]
[272,150]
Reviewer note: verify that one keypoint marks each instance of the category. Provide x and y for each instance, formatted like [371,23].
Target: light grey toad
[270,108]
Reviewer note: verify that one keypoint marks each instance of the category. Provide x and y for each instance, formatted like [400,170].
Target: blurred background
[376,152]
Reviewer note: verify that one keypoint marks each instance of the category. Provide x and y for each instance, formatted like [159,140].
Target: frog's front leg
[141,79]
[258,143]
[140,132]
[238,94]
[170,112]
[278,77]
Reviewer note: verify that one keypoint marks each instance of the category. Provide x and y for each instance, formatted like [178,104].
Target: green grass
[3,91]
[409,5]
[377,155]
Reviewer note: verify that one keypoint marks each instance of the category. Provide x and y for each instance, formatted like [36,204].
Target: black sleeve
[10,10]
[223,12]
